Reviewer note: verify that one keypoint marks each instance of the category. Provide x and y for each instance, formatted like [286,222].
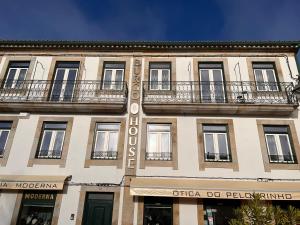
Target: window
[278,144]
[16,73]
[211,82]
[64,81]
[52,140]
[106,141]
[5,127]
[158,211]
[265,76]
[216,143]
[159,142]
[113,76]
[160,77]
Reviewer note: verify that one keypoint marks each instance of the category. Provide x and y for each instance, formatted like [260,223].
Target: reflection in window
[265,76]
[5,127]
[160,76]
[158,211]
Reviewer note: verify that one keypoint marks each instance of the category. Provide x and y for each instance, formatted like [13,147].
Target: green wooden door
[98,209]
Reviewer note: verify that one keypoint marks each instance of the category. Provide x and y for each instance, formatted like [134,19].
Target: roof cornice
[285,46]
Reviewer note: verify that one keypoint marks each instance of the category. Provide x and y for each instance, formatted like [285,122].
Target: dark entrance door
[98,209]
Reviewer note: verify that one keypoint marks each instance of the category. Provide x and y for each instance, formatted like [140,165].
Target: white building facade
[142,133]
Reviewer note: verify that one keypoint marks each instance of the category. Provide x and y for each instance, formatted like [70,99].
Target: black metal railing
[282,159]
[218,157]
[235,92]
[167,156]
[104,155]
[49,154]
[79,91]
[1,153]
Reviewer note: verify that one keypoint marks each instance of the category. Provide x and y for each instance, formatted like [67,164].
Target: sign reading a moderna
[31,185]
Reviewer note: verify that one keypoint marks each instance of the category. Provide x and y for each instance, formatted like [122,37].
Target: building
[142,133]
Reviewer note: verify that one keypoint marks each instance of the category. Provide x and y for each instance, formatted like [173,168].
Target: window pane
[165,142]
[165,79]
[67,65]
[55,126]
[107,79]
[272,79]
[119,79]
[100,141]
[113,141]
[108,126]
[10,77]
[45,143]
[3,139]
[210,65]
[70,84]
[276,129]
[154,79]
[285,146]
[215,128]
[263,66]
[218,86]
[158,127]
[209,144]
[114,66]
[22,74]
[5,125]
[223,146]
[152,143]
[205,85]
[272,147]
[259,80]
[57,85]
[58,143]
[160,66]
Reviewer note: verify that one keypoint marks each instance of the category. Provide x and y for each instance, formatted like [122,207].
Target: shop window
[158,211]
[279,144]
[5,127]
[51,140]
[212,82]
[158,142]
[37,208]
[160,76]
[219,212]
[216,143]
[106,141]
[16,74]
[265,76]
[113,76]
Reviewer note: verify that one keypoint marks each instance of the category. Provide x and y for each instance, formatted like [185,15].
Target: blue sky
[150,19]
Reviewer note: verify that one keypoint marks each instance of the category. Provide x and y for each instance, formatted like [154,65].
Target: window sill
[47,161]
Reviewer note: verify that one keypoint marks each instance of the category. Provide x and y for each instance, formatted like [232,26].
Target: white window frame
[159,143]
[51,145]
[106,138]
[112,83]
[211,85]
[278,146]
[16,77]
[216,146]
[265,81]
[159,81]
[65,79]
[2,130]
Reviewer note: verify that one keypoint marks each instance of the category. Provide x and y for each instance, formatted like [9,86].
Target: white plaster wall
[7,205]
[90,70]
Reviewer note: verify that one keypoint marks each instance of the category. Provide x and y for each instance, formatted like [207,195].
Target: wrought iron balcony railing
[49,154]
[289,159]
[236,92]
[217,157]
[167,156]
[104,155]
[63,91]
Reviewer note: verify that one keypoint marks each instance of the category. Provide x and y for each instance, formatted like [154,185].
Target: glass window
[158,211]
[37,208]
[64,81]
[160,76]
[113,76]
[265,76]
[16,74]
[278,144]
[158,142]
[211,82]
[52,140]
[106,141]
[5,127]
[216,143]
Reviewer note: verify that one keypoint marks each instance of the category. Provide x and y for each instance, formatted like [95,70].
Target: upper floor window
[5,127]
[216,143]
[64,81]
[212,82]
[160,76]
[279,144]
[113,76]
[265,76]
[16,73]
[159,142]
[51,140]
[106,141]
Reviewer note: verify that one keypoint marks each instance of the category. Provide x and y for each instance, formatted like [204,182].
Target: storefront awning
[30,182]
[223,189]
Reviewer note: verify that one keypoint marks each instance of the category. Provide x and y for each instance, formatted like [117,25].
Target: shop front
[38,198]
[215,199]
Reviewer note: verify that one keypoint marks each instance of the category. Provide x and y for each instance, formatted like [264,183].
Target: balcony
[111,155]
[49,154]
[217,157]
[165,156]
[289,159]
[86,96]
[207,98]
